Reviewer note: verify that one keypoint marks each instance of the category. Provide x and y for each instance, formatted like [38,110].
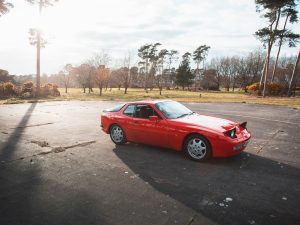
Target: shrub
[253,87]
[7,89]
[28,85]
[49,90]
[275,89]
[45,90]
[55,90]
[28,88]
[25,95]
[8,86]
[1,89]
[271,89]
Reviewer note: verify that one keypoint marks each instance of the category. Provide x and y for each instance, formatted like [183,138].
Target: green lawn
[179,95]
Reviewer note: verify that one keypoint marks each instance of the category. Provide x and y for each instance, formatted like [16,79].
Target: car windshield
[172,109]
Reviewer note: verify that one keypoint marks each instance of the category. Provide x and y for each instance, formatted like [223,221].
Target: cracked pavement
[58,167]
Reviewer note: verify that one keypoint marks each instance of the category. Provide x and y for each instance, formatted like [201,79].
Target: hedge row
[27,90]
[271,89]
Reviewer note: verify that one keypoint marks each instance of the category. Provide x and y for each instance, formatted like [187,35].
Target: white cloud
[77,29]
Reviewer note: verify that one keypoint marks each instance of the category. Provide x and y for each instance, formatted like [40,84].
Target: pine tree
[184,75]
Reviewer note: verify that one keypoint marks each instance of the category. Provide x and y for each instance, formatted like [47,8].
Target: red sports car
[170,124]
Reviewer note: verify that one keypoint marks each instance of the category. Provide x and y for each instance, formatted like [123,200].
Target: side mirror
[153,118]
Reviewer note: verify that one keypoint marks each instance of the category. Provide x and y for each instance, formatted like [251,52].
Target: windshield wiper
[185,114]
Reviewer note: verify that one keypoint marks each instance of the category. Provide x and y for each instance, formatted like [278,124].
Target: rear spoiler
[244,124]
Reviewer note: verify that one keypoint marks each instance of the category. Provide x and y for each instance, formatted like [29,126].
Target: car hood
[210,122]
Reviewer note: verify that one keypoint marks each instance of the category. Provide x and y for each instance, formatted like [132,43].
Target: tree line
[229,72]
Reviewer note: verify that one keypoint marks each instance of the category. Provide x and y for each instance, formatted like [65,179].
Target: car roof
[150,101]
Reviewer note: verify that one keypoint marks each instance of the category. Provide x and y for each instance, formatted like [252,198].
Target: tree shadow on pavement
[9,148]
[29,196]
[257,186]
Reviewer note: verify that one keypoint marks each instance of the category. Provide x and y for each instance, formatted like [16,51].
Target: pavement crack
[53,149]
[62,149]
[163,181]
[191,220]
[82,144]
[268,141]
[33,125]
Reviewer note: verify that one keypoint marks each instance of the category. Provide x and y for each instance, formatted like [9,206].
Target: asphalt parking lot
[58,167]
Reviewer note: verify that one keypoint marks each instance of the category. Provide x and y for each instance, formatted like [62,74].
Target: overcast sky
[76,30]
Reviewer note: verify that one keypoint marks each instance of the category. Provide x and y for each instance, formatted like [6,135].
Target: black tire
[197,147]
[117,134]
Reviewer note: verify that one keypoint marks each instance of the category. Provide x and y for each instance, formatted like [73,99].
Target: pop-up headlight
[231,133]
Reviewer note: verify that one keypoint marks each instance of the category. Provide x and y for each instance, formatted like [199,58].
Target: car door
[128,124]
[149,132]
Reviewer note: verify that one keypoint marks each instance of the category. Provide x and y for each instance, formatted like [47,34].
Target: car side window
[129,111]
[145,111]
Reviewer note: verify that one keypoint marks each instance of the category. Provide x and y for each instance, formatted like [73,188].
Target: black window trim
[142,104]
[153,108]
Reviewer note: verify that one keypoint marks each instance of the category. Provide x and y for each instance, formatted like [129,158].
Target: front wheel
[197,148]
[117,135]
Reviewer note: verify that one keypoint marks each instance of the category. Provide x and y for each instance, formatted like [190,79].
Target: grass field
[183,96]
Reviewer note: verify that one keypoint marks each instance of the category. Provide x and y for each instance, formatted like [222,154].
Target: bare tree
[65,75]
[116,78]
[224,70]
[215,64]
[141,74]
[161,61]
[240,71]
[171,58]
[83,76]
[4,7]
[100,62]
[134,76]
[210,80]
[101,77]
[126,71]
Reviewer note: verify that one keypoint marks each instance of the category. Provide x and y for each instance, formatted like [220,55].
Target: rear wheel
[117,135]
[197,148]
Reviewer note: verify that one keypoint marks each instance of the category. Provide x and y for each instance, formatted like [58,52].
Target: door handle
[135,122]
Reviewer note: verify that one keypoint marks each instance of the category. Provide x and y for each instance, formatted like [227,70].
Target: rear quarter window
[129,111]
[115,108]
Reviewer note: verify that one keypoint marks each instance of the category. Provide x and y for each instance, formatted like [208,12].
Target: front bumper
[228,147]
[241,146]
